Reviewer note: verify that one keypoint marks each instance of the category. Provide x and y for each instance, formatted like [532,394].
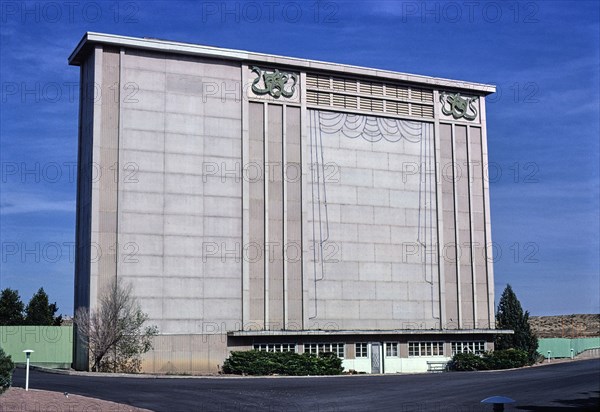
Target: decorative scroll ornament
[275,83]
[458,106]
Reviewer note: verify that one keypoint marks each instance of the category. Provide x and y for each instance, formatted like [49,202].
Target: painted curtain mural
[372,224]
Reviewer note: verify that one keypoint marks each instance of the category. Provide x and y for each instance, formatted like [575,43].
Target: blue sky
[543,123]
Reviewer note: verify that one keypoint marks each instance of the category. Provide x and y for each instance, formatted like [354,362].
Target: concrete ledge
[370,332]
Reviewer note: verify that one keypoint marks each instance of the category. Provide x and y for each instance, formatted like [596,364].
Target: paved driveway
[558,387]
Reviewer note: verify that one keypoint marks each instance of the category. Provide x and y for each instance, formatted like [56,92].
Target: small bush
[506,359]
[500,359]
[282,363]
[467,362]
[6,369]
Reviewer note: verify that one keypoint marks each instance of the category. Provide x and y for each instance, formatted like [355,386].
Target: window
[425,348]
[275,347]
[316,348]
[362,350]
[476,347]
[391,349]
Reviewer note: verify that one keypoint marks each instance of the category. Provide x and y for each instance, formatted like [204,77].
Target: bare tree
[114,333]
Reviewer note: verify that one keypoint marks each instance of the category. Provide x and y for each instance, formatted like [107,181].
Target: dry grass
[566,326]
[16,399]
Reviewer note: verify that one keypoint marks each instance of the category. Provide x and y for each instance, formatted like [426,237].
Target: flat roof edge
[372,332]
[167,46]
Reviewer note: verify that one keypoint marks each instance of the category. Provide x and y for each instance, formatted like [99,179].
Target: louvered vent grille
[421,110]
[371,105]
[345,85]
[318,82]
[368,96]
[375,89]
[400,108]
[397,92]
[345,101]
[318,98]
[423,95]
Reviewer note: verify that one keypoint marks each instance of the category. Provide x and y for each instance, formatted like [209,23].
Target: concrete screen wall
[239,192]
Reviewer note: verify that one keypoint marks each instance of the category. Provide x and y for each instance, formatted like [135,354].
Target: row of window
[276,347]
[362,349]
[415,349]
[316,348]
[477,347]
[425,348]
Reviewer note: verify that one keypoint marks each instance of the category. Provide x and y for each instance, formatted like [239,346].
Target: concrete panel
[152,141]
[142,223]
[191,144]
[184,184]
[183,163]
[257,205]
[184,204]
[293,225]
[183,123]
[373,196]
[274,213]
[375,271]
[107,184]
[143,161]
[143,120]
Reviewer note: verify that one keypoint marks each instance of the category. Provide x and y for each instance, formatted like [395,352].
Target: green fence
[52,345]
[561,347]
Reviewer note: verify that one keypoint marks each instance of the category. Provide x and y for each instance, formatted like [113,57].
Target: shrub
[282,363]
[506,359]
[467,362]
[6,369]
[500,359]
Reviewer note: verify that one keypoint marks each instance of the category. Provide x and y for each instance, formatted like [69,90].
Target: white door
[375,357]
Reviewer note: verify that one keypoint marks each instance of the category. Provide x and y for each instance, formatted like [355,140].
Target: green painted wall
[53,345]
[561,347]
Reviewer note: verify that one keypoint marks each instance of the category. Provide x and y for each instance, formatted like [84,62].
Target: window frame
[334,347]
[419,349]
[476,347]
[275,347]
[358,353]
[392,349]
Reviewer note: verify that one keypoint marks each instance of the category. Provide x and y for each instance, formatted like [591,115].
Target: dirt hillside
[566,326]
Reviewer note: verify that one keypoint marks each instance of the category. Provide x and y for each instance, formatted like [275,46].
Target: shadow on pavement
[591,403]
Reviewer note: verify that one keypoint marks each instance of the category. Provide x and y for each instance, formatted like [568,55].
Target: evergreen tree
[11,308]
[40,312]
[510,315]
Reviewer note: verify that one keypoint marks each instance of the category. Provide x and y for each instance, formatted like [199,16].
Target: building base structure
[273,203]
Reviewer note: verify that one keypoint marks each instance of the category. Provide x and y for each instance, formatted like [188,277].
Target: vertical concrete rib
[487,217]
[109,159]
[456,230]
[439,211]
[244,167]
[292,222]
[266,217]
[471,224]
[256,221]
[284,199]
[304,188]
[274,202]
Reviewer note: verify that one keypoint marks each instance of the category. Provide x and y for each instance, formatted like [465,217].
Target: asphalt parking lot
[554,387]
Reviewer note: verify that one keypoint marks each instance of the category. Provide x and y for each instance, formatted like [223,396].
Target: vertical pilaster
[244,170]
[487,217]
[439,210]
[456,230]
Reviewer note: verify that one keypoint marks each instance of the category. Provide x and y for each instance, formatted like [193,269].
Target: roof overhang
[263,333]
[90,39]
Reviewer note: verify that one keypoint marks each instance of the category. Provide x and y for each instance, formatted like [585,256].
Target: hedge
[500,359]
[6,369]
[255,362]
